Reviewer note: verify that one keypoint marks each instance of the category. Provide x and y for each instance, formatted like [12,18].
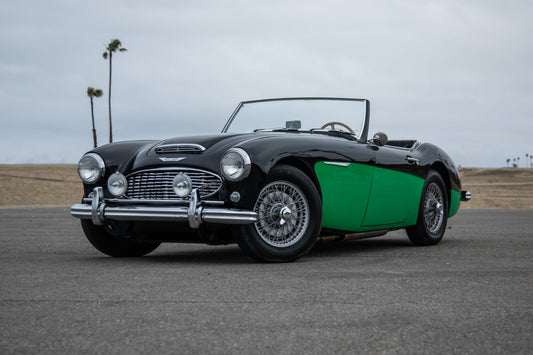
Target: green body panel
[394,199]
[360,197]
[345,192]
[455,202]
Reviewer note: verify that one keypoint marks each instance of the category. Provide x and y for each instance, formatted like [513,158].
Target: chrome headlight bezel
[235,164]
[117,184]
[91,168]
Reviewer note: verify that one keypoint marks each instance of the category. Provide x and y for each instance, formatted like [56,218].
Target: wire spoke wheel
[283,214]
[289,218]
[433,208]
[432,213]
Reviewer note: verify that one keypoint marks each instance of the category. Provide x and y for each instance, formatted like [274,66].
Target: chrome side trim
[335,163]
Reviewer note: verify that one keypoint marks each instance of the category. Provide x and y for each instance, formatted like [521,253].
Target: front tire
[289,212]
[113,244]
[432,213]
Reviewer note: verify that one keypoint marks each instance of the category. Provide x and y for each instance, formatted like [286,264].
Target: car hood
[205,151]
[206,141]
[202,151]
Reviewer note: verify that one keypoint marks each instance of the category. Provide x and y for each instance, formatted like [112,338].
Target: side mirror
[380,139]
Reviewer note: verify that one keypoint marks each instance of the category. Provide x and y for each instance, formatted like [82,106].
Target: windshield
[302,114]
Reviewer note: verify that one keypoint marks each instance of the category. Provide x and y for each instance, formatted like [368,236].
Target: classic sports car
[282,173]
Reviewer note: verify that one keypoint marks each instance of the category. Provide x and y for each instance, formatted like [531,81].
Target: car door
[345,186]
[395,192]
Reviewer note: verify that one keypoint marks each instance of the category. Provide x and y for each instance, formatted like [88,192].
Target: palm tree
[527,156]
[111,48]
[92,92]
[508,160]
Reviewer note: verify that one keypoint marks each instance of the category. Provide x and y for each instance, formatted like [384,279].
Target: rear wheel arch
[443,172]
[432,213]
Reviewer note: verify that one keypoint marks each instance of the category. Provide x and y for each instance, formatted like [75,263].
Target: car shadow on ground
[356,247]
[177,253]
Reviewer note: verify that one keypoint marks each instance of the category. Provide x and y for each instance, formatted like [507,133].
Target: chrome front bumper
[96,209]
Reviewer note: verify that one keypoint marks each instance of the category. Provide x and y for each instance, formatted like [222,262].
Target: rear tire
[432,213]
[113,244]
[289,212]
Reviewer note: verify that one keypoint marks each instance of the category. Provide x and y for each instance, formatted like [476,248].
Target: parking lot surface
[473,293]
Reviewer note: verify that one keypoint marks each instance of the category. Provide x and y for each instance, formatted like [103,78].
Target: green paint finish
[455,202]
[345,191]
[360,197]
[394,199]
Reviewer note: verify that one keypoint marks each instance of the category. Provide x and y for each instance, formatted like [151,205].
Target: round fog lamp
[182,185]
[117,184]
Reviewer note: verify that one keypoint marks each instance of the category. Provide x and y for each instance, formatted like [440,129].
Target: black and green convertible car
[282,174]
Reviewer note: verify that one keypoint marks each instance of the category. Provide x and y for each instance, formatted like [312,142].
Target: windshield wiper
[286,130]
[276,130]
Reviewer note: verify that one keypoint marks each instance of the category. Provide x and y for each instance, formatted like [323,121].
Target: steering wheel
[333,123]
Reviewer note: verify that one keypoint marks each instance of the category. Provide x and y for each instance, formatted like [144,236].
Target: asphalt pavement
[472,293]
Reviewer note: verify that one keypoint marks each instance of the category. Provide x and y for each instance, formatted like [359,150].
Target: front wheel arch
[271,240]
[303,167]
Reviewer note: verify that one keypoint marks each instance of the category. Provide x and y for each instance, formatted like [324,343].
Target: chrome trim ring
[101,166]
[245,169]
[283,214]
[433,208]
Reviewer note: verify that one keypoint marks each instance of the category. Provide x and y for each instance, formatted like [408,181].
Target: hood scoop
[179,148]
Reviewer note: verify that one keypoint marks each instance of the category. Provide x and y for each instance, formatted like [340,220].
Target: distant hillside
[59,185]
[499,188]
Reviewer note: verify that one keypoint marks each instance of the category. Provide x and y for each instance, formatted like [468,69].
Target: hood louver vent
[179,148]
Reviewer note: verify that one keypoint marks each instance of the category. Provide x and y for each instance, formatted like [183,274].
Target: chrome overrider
[98,211]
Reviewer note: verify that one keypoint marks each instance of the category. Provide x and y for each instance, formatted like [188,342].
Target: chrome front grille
[157,184]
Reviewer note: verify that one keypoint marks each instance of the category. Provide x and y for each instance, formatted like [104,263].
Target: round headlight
[117,184]
[182,185]
[91,167]
[235,164]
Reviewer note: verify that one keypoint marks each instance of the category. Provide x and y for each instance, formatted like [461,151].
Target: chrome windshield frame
[364,133]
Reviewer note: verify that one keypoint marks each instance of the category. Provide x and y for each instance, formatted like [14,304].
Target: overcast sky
[458,74]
